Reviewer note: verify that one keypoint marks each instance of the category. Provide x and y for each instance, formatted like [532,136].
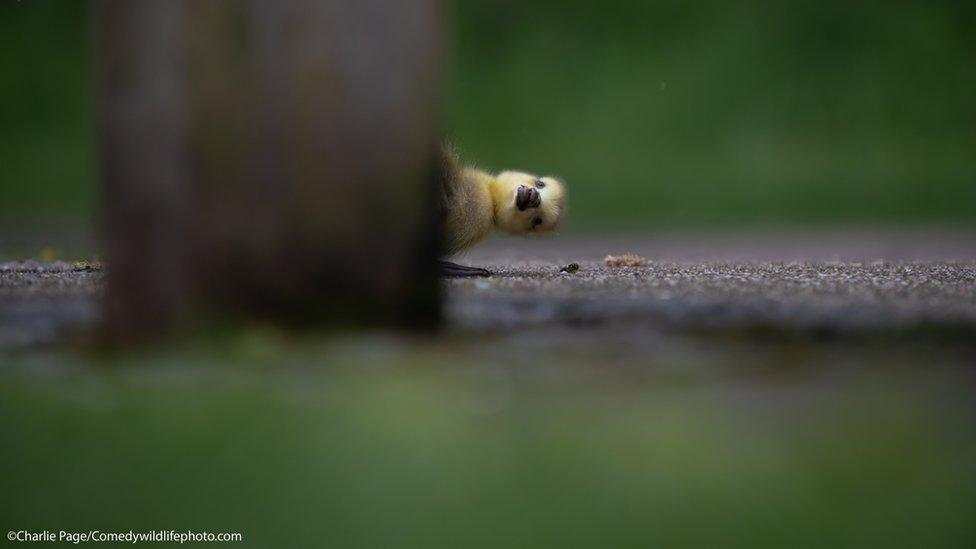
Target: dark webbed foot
[453,269]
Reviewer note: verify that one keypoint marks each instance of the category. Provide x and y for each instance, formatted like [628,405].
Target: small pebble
[626,260]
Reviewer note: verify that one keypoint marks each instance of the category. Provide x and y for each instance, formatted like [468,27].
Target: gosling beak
[527,197]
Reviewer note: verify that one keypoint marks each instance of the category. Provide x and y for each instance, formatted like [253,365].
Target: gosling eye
[539,183]
[536,222]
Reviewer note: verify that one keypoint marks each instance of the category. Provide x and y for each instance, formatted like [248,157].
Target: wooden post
[269,159]
[144,165]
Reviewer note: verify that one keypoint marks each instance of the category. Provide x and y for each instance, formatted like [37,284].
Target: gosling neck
[499,194]
[488,187]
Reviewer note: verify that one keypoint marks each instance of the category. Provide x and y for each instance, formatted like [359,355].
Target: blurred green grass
[47,163]
[656,113]
[309,444]
[717,113]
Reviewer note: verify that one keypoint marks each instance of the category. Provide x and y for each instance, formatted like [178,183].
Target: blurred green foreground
[380,443]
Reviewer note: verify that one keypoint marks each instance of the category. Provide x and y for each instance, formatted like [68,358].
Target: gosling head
[527,204]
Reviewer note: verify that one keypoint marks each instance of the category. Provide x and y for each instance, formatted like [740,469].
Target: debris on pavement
[625,260]
[85,265]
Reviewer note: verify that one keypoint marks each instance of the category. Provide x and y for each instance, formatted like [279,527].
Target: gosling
[474,202]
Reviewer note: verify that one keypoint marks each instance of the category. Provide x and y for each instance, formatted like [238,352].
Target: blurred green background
[657,113]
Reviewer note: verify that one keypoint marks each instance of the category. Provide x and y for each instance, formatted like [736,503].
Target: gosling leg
[454,270]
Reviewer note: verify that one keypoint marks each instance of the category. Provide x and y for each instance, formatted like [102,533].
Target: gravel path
[42,303]
[821,297]
[690,285]
[822,283]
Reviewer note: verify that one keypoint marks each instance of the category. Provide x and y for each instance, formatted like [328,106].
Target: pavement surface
[825,284]
[821,286]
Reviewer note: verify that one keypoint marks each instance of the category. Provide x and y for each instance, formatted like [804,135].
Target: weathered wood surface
[269,159]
